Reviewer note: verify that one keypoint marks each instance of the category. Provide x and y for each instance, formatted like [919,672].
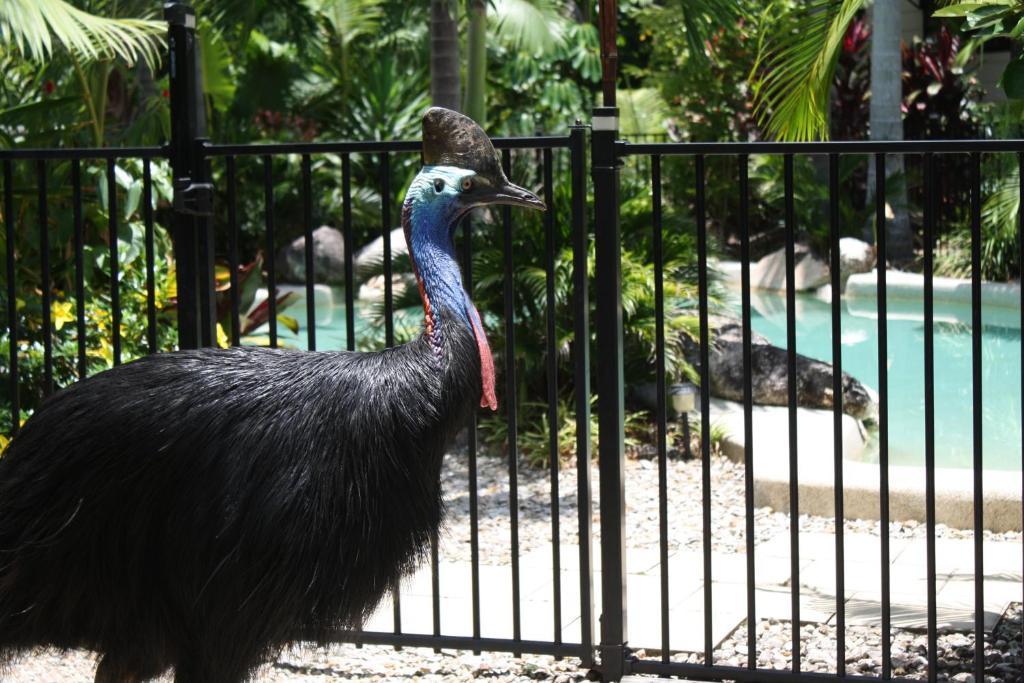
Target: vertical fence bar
[552,377]
[346,222]
[748,408]
[307,222]
[581,372]
[611,409]
[435,585]
[435,576]
[12,302]
[115,274]
[661,409]
[976,332]
[76,209]
[147,217]
[389,322]
[268,218]
[794,469]
[389,313]
[385,213]
[883,424]
[837,405]
[233,252]
[206,253]
[511,401]
[705,403]
[471,443]
[929,413]
[1020,257]
[44,258]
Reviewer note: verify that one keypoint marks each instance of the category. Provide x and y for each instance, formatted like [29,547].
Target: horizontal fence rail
[625,148]
[651,159]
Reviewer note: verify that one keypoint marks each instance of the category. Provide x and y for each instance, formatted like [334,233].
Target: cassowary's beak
[513,195]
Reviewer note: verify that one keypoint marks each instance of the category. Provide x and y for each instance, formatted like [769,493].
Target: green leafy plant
[796,62]
[1000,234]
[34,26]
[96,308]
[987,20]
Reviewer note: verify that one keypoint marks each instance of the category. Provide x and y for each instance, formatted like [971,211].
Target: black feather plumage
[200,509]
[302,487]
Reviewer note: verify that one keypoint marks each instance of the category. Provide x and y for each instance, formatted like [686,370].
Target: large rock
[328,257]
[809,271]
[770,376]
[855,256]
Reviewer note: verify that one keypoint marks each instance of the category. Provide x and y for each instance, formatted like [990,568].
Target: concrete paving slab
[686,621]
[686,569]
[909,612]
[455,579]
[820,576]
[777,604]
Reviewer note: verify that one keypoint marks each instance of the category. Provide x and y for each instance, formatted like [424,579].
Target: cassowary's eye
[467,184]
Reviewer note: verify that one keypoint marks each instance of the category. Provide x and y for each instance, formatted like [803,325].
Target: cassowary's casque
[200,509]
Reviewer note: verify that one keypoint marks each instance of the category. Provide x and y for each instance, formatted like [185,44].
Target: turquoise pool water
[1001,368]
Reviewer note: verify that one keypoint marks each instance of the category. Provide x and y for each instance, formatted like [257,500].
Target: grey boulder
[855,256]
[328,257]
[770,382]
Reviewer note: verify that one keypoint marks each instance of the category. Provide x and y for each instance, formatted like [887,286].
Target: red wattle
[488,399]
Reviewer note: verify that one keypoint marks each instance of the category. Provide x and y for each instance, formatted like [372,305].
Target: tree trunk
[444,55]
[476,69]
[887,121]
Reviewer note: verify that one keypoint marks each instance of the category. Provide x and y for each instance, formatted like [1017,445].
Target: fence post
[611,447]
[193,194]
[581,360]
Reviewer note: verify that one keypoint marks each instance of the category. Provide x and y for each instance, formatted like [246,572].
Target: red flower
[49,87]
[166,93]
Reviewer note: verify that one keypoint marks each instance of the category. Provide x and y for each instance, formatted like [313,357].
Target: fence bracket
[194,199]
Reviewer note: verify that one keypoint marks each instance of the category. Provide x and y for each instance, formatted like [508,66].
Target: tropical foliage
[90,73]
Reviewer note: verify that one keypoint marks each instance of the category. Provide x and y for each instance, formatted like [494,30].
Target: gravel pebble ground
[1004,659]
[373,664]
[346,662]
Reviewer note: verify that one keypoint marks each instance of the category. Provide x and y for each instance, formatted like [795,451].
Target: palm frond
[795,65]
[643,111]
[702,19]
[534,26]
[349,19]
[35,27]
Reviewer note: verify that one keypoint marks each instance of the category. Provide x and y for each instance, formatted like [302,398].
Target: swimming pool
[1001,368]
[1001,365]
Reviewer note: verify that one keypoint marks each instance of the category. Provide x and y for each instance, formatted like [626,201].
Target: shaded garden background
[92,73]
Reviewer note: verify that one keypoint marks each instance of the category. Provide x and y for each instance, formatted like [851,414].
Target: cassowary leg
[115,669]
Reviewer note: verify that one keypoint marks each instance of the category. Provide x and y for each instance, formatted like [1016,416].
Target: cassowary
[198,510]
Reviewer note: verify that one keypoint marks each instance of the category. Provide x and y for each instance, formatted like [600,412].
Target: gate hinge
[195,199]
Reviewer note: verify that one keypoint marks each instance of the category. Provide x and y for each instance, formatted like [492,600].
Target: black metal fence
[203,171]
[608,153]
[195,236]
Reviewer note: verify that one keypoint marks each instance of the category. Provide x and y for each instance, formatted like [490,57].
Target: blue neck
[428,232]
